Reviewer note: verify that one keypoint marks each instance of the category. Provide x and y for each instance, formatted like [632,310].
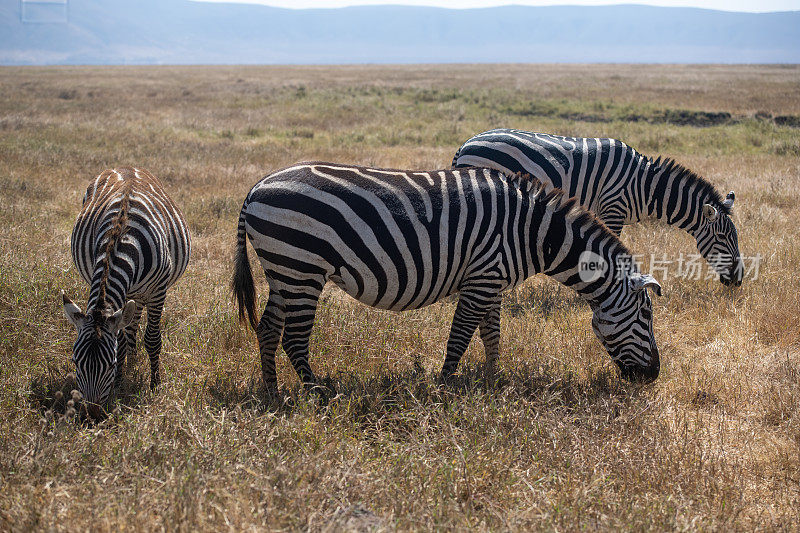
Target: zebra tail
[242,285]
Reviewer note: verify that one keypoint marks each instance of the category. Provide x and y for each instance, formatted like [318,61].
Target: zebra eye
[604,321]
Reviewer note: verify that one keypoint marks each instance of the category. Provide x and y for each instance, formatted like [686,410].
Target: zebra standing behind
[399,240]
[130,243]
[619,185]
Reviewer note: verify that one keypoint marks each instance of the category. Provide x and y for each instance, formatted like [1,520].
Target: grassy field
[560,443]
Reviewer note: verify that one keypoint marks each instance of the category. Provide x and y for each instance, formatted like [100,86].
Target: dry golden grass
[559,444]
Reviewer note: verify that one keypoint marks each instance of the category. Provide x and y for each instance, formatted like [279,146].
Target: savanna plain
[557,443]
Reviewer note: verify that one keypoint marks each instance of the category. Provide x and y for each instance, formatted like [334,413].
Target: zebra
[399,240]
[619,185]
[130,243]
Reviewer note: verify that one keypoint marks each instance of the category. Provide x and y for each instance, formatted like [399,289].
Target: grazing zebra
[398,240]
[619,185]
[130,243]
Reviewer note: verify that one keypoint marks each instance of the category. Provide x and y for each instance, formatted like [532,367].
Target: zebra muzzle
[735,274]
[95,411]
[643,373]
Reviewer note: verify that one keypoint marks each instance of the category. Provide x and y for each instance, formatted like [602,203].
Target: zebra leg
[490,335]
[300,306]
[126,344]
[152,337]
[269,332]
[469,313]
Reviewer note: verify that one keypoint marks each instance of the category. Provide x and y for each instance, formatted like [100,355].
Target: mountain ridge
[187,32]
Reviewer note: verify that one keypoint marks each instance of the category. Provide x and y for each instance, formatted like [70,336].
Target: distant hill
[184,32]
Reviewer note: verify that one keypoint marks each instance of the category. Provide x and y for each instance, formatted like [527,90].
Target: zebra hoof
[490,378]
[321,392]
[447,379]
[271,392]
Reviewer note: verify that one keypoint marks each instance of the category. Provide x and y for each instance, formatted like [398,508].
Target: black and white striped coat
[619,185]
[130,243]
[396,239]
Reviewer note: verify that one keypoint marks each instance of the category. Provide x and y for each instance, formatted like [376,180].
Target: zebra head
[718,243]
[624,325]
[95,350]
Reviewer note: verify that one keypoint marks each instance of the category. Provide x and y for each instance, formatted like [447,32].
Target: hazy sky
[727,5]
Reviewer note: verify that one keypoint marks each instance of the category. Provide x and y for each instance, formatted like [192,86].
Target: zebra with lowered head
[398,240]
[130,243]
[619,185]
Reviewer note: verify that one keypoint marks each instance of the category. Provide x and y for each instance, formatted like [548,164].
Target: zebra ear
[122,317]
[728,203]
[644,281]
[710,212]
[72,311]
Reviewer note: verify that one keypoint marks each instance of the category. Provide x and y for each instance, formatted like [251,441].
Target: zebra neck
[618,264]
[113,270]
[115,296]
[675,196]
[563,237]
[598,285]
[109,287]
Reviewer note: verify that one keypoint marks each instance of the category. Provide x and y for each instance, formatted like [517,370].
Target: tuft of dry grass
[558,442]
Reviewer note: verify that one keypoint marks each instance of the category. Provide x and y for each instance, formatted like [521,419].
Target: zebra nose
[735,273]
[95,411]
[644,373]
[641,374]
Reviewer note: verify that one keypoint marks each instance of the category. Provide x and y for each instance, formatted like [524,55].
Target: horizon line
[432,4]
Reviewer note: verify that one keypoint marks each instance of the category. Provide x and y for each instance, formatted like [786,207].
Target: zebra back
[129,231]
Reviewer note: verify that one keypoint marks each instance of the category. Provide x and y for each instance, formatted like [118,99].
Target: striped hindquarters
[601,173]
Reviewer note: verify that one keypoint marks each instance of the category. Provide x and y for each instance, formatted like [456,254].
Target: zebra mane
[98,316]
[705,189]
[567,206]
[113,236]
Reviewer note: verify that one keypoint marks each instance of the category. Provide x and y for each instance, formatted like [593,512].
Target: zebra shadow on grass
[53,394]
[413,389]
